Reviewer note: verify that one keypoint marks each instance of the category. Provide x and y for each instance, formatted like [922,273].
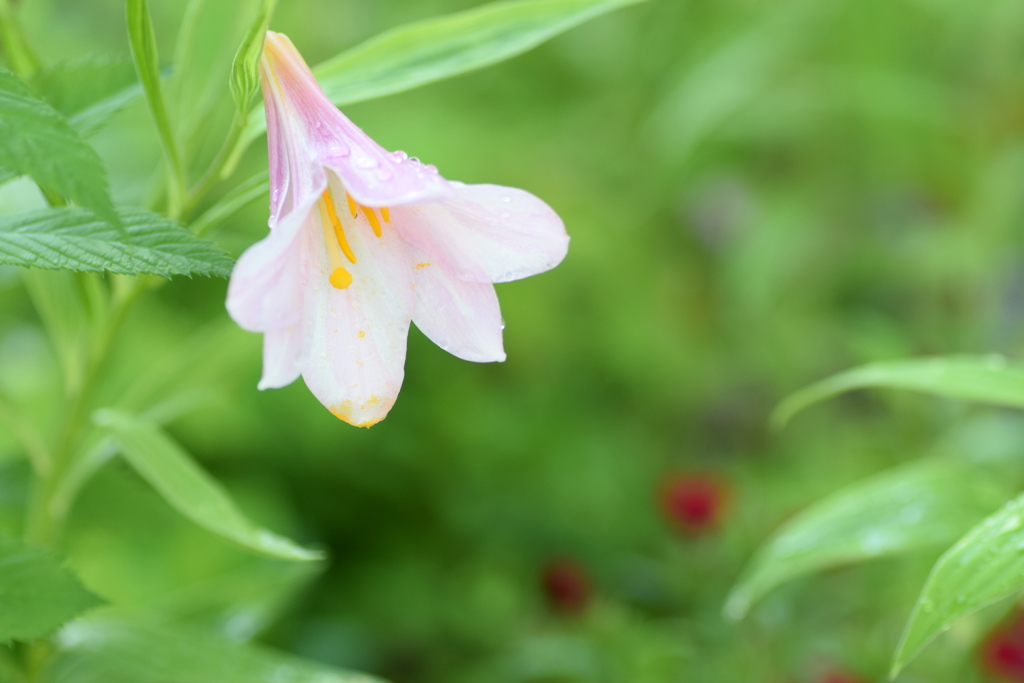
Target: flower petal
[355,338]
[282,354]
[265,291]
[374,176]
[463,318]
[489,234]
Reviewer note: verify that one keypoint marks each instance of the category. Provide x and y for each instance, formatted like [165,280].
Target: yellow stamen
[386,214]
[372,217]
[340,278]
[338,230]
[352,206]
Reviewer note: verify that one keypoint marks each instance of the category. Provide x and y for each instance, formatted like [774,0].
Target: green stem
[43,526]
[143,46]
[215,173]
[23,59]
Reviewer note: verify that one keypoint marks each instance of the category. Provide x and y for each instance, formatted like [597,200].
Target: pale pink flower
[362,241]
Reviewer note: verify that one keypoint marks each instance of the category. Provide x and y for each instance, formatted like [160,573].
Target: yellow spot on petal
[340,278]
[386,214]
[346,411]
[361,334]
[422,265]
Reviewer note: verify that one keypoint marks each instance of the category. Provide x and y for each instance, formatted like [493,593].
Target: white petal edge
[282,357]
[463,318]
[489,234]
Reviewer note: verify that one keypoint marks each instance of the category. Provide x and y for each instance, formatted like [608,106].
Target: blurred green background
[759,194]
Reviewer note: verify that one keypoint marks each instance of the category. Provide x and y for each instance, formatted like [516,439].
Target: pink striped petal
[320,133]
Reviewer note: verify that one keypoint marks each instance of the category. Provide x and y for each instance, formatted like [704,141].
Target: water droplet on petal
[399,156]
[508,275]
[502,323]
[414,160]
[431,168]
[366,162]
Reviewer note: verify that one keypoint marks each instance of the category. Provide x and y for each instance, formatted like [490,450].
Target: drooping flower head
[362,241]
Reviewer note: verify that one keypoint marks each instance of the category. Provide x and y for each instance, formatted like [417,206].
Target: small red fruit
[694,503]
[566,586]
[1002,651]
[842,677]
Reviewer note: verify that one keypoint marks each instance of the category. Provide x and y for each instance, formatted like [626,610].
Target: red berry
[1002,651]
[841,677]
[694,502]
[566,586]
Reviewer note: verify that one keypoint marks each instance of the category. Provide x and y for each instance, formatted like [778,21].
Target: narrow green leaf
[987,379]
[432,50]
[190,490]
[983,567]
[247,192]
[89,91]
[115,651]
[147,65]
[921,505]
[72,239]
[36,140]
[428,51]
[245,77]
[37,594]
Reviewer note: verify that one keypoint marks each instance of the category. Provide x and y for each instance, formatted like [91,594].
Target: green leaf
[115,651]
[36,140]
[61,306]
[432,50]
[72,239]
[984,566]
[147,65]
[89,91]
[245,77]
[987,379]
[920,505]
[428,51]
[190,490]
[37,594]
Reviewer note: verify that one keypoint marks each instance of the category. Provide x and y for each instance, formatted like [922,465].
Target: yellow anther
[386,214]
[339,232]
[372,217]
[340,278]
[352,206]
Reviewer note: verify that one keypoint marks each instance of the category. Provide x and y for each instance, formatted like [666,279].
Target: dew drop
[414,160]
[502,323]
[431,168]
[366,162]
[508,275]
[399,156]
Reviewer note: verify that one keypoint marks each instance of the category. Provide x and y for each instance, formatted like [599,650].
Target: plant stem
[215,173]
[19,52]
[43,525]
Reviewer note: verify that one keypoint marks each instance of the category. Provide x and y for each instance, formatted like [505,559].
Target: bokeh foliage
[759,195]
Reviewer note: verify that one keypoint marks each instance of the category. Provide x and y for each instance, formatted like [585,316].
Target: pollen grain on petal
[423,265]
[361,334]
